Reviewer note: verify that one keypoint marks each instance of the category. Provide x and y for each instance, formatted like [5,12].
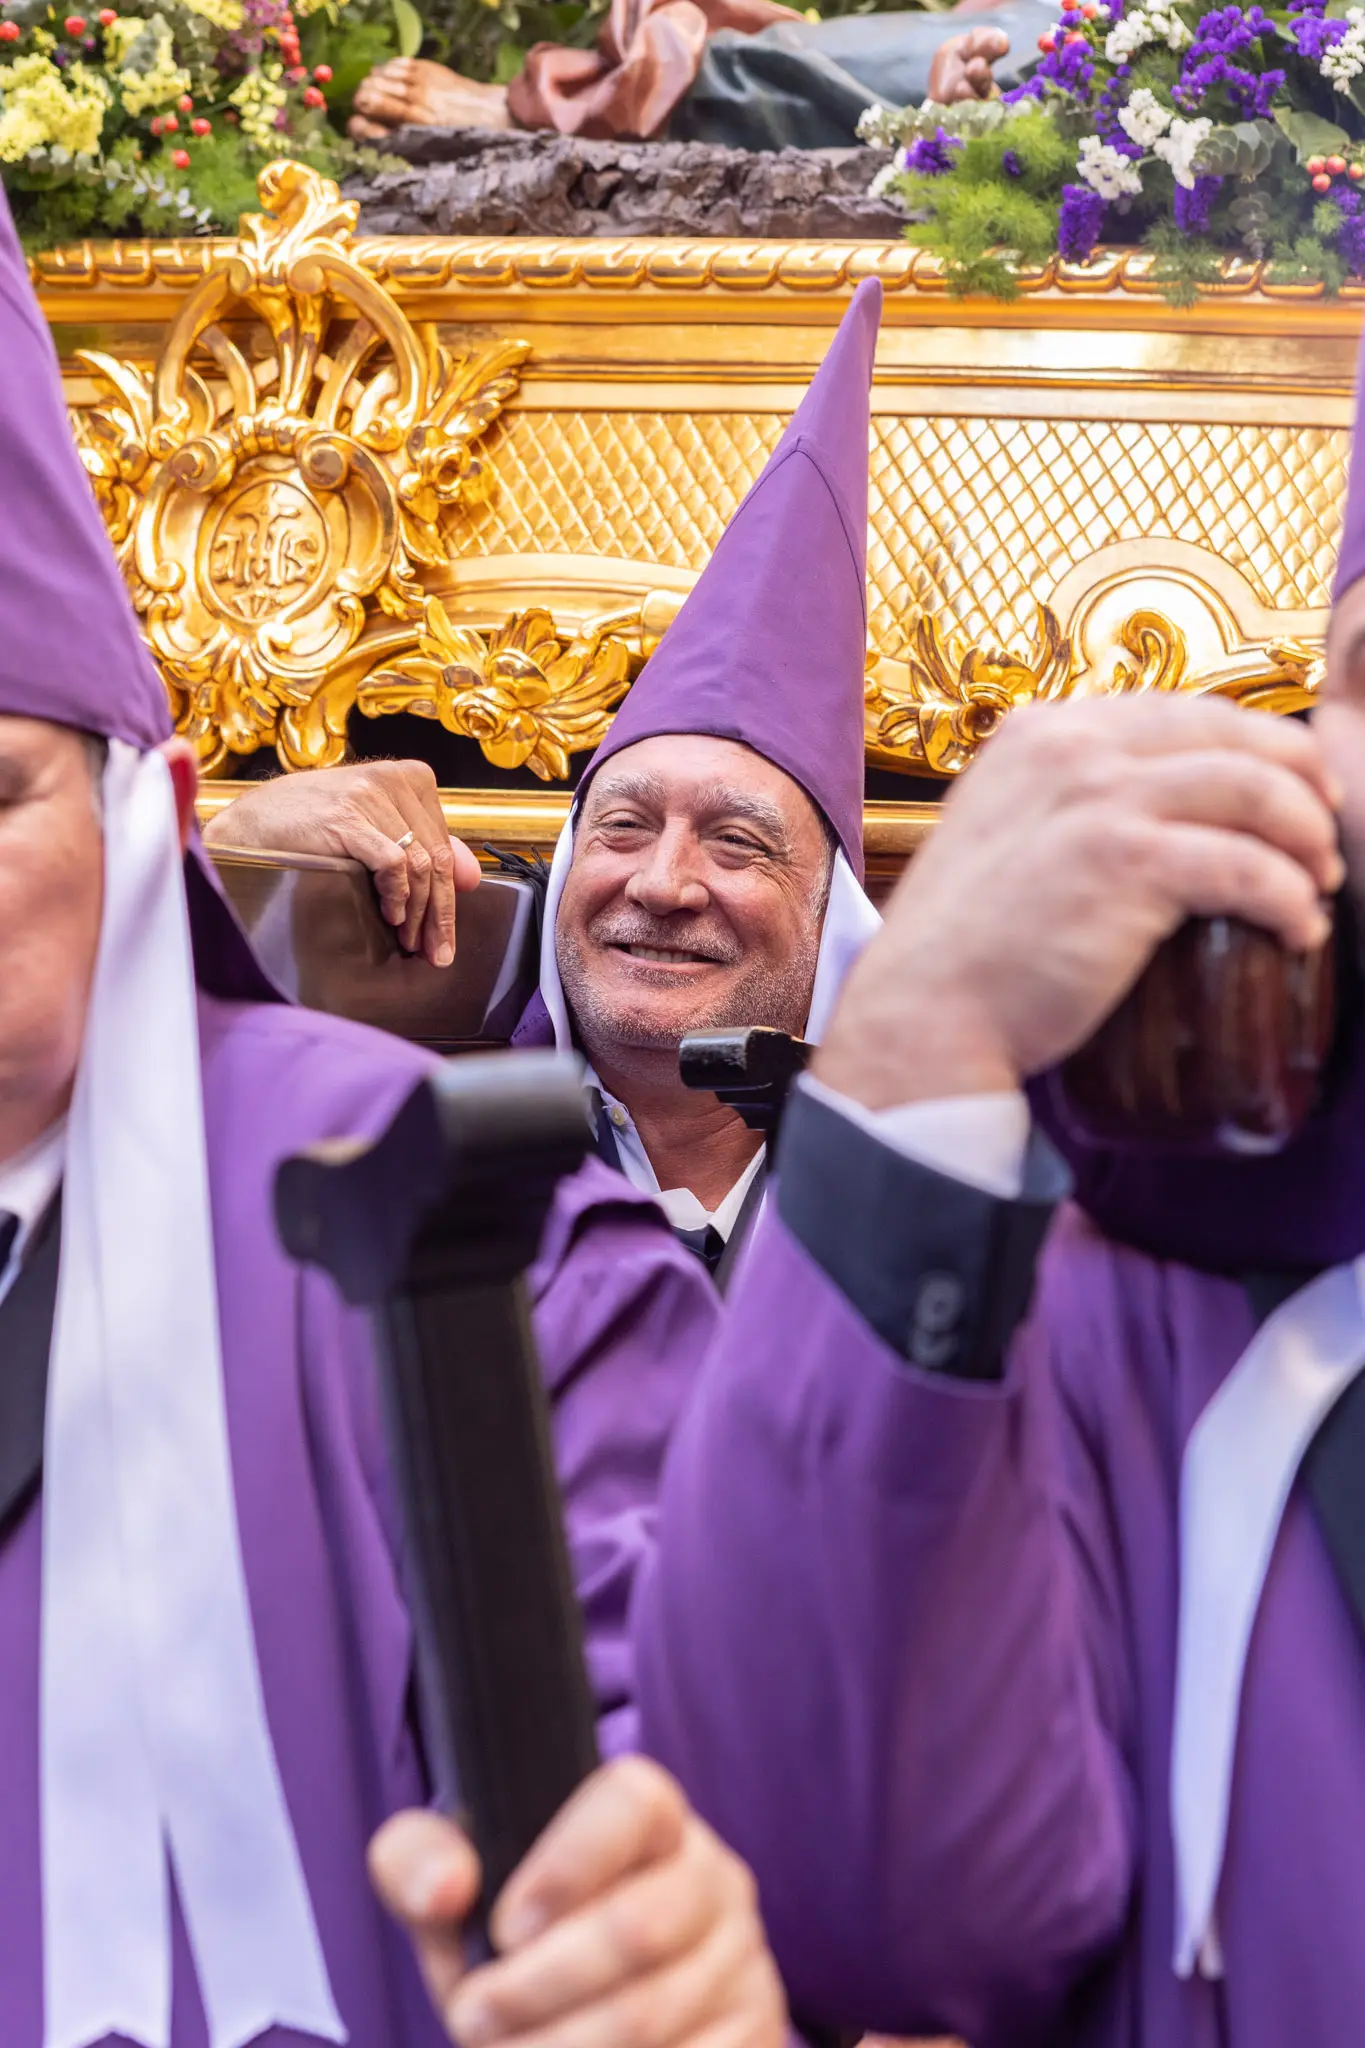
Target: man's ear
[178,755]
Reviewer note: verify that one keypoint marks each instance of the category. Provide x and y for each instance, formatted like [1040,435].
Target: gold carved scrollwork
[934,712]
[276,485]
[955,697]
[528,696]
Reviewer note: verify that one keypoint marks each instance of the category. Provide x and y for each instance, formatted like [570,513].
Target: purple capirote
[770,648]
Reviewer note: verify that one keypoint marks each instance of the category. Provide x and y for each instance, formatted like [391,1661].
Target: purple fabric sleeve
[877,1644]
[624,1325]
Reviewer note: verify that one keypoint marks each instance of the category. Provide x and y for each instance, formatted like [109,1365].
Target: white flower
[1340,65]
[884,180]
[1105,171]
[1179,147]
[1144,118]
[1167,25]
[1129,35]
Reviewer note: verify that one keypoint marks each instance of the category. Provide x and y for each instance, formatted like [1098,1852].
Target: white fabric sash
[154,1737]
[1239,1466]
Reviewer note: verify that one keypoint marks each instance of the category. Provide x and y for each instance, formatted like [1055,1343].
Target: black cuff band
[941,1271]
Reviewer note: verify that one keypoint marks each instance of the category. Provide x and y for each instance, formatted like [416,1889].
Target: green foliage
[1183,262]
[1309,135]
[488,39]
[1305,259]
[409,26]
[352,42]
[984,222]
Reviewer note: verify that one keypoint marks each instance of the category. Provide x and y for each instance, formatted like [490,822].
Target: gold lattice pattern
[976,519]
[972,520]
[654,487]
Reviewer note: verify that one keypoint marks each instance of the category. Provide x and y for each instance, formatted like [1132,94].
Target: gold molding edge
[736,271]
[530,820]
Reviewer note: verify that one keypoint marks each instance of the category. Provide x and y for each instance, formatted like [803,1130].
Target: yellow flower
[158,84]
[44,109]
[258,99]
[119,38]
[224,14]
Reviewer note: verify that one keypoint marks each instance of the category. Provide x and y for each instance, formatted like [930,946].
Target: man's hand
[1084,835]
[961,69]
[366,813]
[629,1925]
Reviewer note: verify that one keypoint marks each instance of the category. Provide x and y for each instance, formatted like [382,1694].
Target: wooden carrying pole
[432,1227]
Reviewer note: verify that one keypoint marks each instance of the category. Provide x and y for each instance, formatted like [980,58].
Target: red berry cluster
[287,36]
[1322,170]
[75,25]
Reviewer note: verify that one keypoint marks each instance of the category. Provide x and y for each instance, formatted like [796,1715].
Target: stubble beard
[629,1037]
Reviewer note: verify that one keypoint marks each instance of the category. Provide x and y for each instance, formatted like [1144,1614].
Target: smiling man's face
[694,900]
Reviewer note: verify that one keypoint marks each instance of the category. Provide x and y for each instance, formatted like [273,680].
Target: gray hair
[96,749]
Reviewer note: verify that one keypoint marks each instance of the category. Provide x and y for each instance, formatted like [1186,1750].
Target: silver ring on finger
[406,840]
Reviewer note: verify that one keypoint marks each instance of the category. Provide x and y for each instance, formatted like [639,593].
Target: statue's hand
[961,69]
[428,95]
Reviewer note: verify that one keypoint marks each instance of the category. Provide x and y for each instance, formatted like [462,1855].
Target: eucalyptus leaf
[408,23]
[1310,135]
[1243,150]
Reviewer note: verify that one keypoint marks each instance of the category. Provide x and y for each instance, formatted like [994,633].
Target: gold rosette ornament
[527,696]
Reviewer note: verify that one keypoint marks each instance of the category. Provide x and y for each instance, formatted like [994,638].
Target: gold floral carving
[934,711]
[273,506]
[954,697]
[528,696]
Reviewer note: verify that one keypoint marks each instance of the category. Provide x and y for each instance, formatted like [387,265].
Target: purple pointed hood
[70,648]
[770,647]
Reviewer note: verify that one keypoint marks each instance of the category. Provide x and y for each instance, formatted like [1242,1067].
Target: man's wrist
[882,1052]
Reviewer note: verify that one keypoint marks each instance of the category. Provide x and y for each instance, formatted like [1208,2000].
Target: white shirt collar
[680,1205]
[685,1212]
[28,1181]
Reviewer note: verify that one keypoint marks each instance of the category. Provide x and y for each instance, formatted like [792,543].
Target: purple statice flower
[1313,33]
[1079,223]
[1194,204]
[1349,240]
[1069,67]
[1011,165]
[1224,33]
[931,156]
[1115,96]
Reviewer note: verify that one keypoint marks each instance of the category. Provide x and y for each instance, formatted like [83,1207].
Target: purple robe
[621,1311]
[910,1643]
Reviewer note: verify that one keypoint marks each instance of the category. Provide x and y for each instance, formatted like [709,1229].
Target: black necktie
[9,1230]
[707,1243]
[26,1315]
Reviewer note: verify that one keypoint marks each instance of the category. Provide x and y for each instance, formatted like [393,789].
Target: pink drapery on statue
[647,56]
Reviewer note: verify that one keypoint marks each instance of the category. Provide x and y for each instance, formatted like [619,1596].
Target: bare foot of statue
[412,89]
